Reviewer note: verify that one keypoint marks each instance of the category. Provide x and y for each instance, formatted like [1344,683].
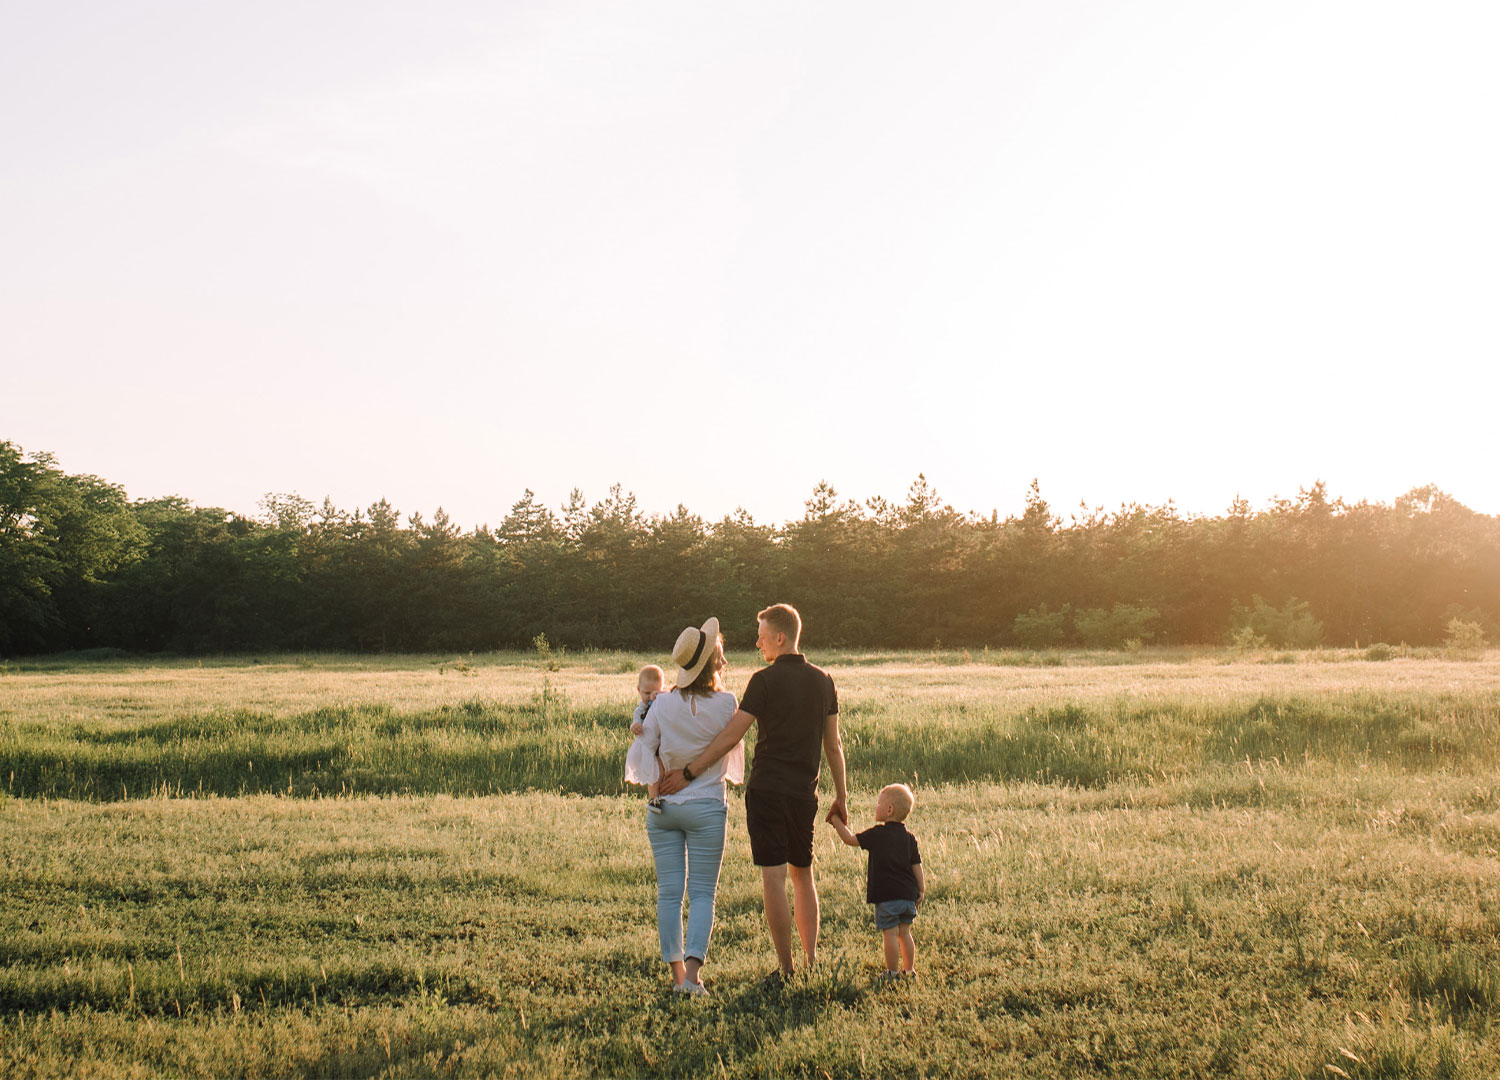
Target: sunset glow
[1142,252]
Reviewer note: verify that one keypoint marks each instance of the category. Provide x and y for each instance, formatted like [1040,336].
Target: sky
[442,253]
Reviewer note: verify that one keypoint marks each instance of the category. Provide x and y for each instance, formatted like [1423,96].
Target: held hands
[840,823]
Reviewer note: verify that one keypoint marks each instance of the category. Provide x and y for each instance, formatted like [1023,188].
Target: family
[690,744]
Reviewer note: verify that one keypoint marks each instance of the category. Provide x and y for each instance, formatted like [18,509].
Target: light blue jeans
[687,842]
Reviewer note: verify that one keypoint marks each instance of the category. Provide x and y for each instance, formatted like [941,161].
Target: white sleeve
[640,760]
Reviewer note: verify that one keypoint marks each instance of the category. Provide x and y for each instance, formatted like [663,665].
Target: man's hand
[840,810]
[841,827]
[671,783]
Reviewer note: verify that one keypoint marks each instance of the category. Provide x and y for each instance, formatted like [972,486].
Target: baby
[894,883]
[647,685]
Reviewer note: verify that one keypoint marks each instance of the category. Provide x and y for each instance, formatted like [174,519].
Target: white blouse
[678,727]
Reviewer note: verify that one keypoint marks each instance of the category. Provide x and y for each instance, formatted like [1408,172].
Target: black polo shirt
[893,852]
[790,700]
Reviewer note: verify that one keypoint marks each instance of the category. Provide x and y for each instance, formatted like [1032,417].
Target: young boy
[638,762]
[894,884]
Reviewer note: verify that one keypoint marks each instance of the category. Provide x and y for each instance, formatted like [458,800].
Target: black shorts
[780,827]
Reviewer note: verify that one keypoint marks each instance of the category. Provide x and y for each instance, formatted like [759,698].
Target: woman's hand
[636,728]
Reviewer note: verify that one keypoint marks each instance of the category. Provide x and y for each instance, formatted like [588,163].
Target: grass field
[1156,864]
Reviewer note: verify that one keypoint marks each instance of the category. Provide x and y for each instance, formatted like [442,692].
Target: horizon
[1066,515]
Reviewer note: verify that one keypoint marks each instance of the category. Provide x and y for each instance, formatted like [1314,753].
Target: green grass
[1235,881]
[1066,932]
[481,747]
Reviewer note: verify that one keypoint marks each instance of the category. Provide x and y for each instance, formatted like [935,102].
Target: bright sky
[716,252]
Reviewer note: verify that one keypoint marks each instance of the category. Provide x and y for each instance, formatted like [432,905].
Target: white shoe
[689,987]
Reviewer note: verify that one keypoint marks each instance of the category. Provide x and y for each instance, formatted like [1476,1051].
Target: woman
[686,829]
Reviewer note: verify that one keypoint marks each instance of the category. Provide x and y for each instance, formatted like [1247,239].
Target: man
[796,709]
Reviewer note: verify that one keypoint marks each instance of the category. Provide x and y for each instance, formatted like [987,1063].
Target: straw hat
[693,649]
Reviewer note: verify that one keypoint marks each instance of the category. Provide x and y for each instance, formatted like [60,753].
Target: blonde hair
[783,618]
[902,800]
[657,675]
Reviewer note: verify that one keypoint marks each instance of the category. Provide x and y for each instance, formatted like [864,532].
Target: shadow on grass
[701,1036]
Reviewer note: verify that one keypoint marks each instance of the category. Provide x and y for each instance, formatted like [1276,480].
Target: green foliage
[1290,626]
[61,538]
[1465,636]
[1101,629]
[1379,651]
[81,567]
[1246,639]
[543,648]
[1040,628]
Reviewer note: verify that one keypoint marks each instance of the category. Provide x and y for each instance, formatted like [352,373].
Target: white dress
[677,728]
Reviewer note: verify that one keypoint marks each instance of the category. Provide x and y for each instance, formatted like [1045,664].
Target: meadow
[1162,863]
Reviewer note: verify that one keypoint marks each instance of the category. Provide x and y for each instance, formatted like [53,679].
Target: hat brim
[686,673]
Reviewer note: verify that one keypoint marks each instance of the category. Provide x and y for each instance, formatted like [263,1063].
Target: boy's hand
[839,810]
[637,728]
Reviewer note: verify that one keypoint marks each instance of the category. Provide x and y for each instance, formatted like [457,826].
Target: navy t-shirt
[790,700]
[893,852]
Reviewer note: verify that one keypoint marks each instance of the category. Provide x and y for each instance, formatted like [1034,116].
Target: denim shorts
[892,913]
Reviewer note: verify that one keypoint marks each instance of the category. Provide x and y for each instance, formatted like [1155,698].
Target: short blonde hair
[902,800]
[656,674]
[784,619]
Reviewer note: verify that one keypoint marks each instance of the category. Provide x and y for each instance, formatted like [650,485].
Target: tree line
[83,566]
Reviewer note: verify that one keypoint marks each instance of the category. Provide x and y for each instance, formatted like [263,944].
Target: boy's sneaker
[890,976]
[695,989]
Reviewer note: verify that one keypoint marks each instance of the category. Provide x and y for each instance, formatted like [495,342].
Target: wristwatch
[687,773]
